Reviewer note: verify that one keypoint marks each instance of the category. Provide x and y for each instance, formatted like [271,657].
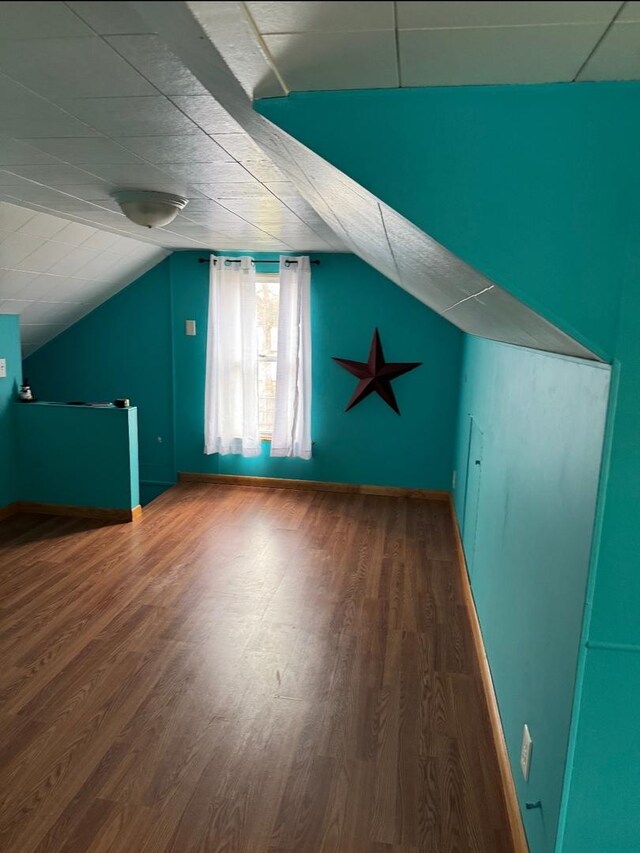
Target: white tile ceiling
[92,101]
[53,270]
[337,45]
[337,60]
[326,16]
[617,56]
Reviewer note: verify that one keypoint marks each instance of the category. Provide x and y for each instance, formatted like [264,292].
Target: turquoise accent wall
[10,350]
[369,444]
[538,187]
[527,515]
[121,349]
[529,184]
[135,346]
[602,813]
[602,803]
[77,456]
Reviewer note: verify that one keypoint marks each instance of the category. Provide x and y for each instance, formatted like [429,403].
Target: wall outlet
[3,368]
[190,327]
[525,752]
[453,480]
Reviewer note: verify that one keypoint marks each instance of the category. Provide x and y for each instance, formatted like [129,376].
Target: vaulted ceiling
[102,96]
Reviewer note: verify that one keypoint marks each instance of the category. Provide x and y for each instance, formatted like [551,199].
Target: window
[246,356]
[268,299]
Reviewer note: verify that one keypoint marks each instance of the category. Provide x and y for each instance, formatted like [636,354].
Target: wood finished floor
[242,670]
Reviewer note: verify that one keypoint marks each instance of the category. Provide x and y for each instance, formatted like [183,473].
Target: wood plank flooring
[242,669]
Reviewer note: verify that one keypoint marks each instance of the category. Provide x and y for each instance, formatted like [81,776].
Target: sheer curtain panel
[231,394]
[292,425]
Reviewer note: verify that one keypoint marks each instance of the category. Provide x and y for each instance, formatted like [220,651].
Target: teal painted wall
[77,456]
[122,349]
[538,187]
[369,444]
[135,346]
[603,807]
[542,419]
[616,611]
[529,184]
[10,350]
[602,813]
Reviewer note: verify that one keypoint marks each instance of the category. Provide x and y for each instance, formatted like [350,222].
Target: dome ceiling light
[149,209]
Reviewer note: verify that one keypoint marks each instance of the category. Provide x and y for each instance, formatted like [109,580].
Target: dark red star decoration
[375,374]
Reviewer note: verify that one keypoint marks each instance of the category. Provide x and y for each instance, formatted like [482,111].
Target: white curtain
[231,395]
[292,425]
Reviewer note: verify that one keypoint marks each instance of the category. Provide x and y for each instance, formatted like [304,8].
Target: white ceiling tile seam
[264,48]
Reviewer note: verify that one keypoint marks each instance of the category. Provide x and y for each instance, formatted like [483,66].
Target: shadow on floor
[45,527]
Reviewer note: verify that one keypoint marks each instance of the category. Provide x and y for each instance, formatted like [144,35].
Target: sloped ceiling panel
[371,229]
[54,271]
[93,101]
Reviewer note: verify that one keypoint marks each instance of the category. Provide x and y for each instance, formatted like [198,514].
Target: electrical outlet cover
[525,752]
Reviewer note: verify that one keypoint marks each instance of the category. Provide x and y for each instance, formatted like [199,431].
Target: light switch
[189,327]
[3,368]
[525,752]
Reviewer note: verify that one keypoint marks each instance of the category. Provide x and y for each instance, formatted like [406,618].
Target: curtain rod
[239,260]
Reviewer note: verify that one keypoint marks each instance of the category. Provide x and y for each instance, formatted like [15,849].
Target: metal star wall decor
[375,374]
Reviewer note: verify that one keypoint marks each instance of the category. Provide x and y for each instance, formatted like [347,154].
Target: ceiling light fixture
[149,209]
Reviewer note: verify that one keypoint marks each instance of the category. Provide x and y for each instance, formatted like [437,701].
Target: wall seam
[602,646]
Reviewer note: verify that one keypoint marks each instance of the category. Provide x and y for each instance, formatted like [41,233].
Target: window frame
[264,359]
